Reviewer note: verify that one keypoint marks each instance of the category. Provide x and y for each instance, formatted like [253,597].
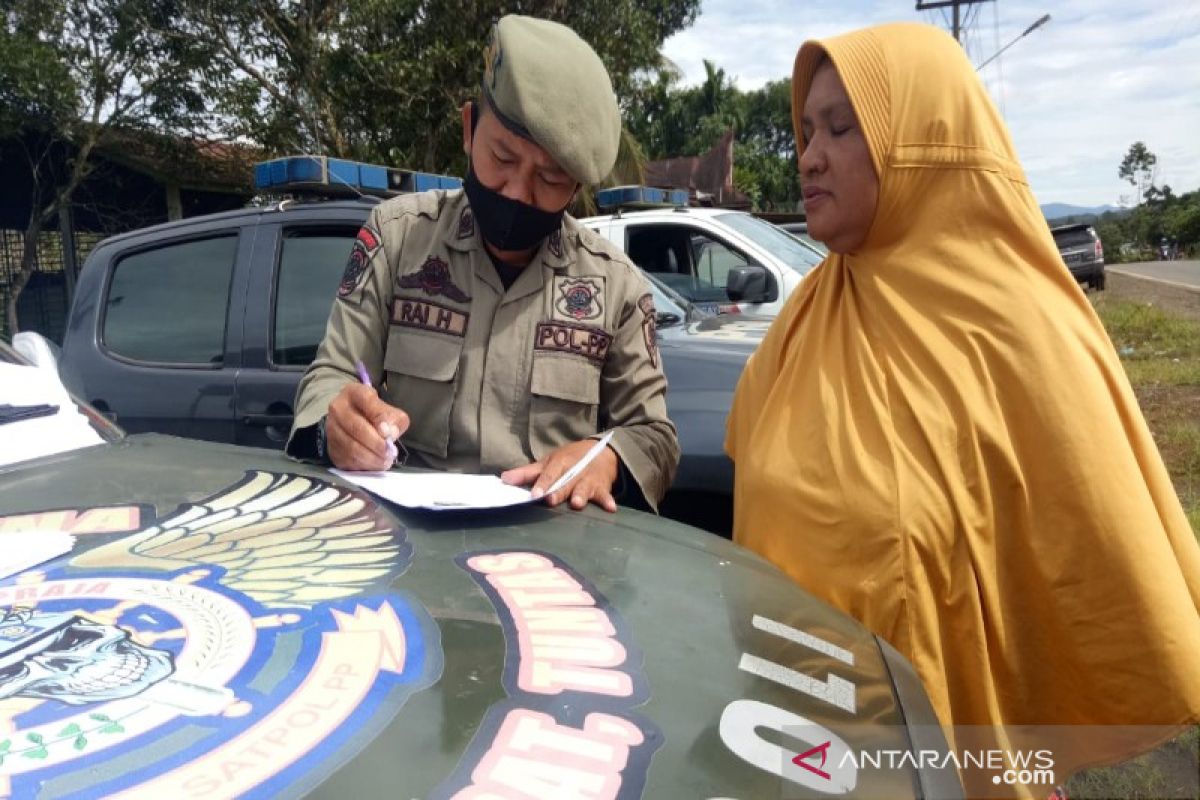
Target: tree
[672,121]
[382,80]
[1139,169]
[1182,221]
[74,74]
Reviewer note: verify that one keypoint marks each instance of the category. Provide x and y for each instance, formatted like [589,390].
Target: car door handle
[268,420]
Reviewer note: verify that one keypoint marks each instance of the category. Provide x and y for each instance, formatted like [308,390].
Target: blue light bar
[341,178]
[640,197]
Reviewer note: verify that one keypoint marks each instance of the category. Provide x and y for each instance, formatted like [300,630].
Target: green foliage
[1135,235]
[69,66]
[35,85]
[1138,167]
[672,121]
[382,80]
[75,76]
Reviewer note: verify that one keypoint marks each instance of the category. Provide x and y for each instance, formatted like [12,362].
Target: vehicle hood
[295,635]
[735,334]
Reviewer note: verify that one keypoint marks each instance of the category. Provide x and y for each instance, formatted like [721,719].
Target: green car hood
[232,622]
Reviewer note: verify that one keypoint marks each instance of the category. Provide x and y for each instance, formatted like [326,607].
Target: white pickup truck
[719,259]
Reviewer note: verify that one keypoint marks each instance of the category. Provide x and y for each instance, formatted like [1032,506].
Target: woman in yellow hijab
[936,435]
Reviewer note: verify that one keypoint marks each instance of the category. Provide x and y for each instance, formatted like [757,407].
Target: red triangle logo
[801,760]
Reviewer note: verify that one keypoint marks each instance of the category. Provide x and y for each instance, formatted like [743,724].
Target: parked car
[203,328]
[800,231]
[722,260]
[199,619]
[1082,251]
[703,355]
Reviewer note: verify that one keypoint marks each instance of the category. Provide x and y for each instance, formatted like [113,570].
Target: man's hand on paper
[359,427]
[593,484]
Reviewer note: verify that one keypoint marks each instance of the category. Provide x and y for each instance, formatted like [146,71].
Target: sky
[1076,93]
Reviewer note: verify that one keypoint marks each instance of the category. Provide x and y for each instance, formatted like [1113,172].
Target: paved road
[1181,273]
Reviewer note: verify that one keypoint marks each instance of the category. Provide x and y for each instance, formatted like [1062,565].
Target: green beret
[548,85]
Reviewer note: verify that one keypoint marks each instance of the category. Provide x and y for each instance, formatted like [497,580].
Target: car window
[169,304]
[787,248]
[666,302]
[684,258]
[311,263]
[713,260]
[1076,237]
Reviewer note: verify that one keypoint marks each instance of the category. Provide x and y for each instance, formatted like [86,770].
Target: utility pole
[954,5]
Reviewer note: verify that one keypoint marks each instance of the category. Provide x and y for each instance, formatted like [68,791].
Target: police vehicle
[194,619]
[720,259]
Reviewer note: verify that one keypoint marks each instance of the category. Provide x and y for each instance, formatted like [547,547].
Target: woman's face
[836,173]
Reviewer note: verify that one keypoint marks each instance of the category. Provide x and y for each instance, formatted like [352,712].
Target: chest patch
[578,340]
[578,299]
[434,279]
[426,315]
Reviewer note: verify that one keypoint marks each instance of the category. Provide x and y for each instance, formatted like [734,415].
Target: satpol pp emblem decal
[232,647]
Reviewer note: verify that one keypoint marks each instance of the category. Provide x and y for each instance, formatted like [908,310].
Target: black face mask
[506,223]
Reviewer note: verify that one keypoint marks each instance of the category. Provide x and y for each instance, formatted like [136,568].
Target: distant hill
[1053,211]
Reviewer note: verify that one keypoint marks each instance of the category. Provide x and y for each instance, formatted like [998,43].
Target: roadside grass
[1168,771]
[1144,332]
[1160,351]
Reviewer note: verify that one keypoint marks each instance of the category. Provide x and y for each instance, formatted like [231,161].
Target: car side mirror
[663,319]
[748,284]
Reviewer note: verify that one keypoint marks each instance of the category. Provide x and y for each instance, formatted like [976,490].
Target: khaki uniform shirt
[494,379]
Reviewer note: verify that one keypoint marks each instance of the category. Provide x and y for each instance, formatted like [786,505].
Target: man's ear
[466,126]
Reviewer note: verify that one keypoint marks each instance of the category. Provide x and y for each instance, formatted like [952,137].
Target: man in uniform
[497,333]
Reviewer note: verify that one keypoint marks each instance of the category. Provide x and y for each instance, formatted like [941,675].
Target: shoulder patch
[365,244]
[649,329]
[466,223]
[591,241]
[423,204]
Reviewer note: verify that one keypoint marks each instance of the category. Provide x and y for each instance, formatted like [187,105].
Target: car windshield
[787,248]
[38,417]
[813,243]
[670,303]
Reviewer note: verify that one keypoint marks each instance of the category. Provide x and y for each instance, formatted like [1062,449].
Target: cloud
[1076,93]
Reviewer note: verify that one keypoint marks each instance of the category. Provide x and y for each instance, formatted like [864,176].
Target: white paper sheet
[42,436]
[440,491]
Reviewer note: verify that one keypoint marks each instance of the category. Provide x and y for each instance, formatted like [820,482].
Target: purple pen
[364,378]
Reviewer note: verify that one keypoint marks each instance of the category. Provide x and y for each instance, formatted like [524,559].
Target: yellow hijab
[937,437]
